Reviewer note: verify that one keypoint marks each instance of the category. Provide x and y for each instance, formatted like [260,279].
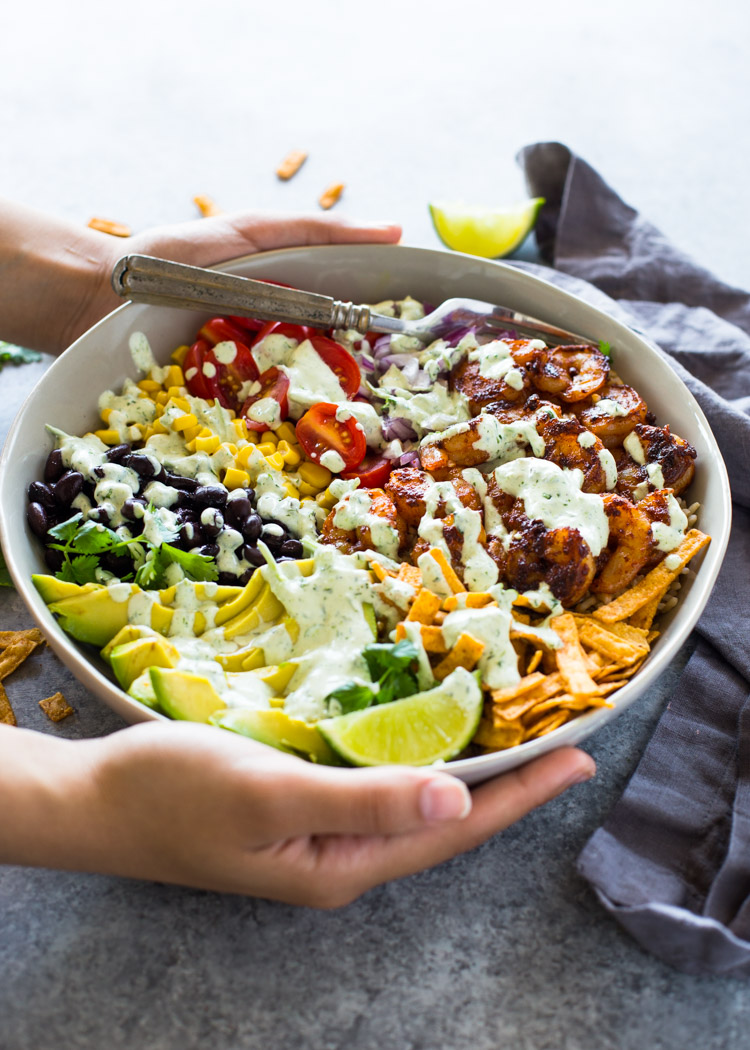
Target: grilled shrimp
[480,390]
[534,406]
[563,447]
[631,545]
[560,557]
[572,373]
[368,534]
[454,540]
[614,419]
[407,487]
[462,448]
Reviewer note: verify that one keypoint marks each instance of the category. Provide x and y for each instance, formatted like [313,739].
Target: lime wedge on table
[416,731]
[489,232]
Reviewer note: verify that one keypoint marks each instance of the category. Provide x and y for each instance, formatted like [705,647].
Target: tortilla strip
[424,606]
[473,600]
[534,662]
[449,573]
[465,653]
[291,164]
[7,715]
[513,709]
[56,707]
[595,635]
[654,582]
[410,574]
[644,616]
[330,195]
[547,724]
[511,692]
[33,634]
[207,206]
[110,226]
[571,659]
[432,639]
[15,654]
[497,738]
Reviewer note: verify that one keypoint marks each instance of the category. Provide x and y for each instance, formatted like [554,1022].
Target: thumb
[205,242]
[387,800]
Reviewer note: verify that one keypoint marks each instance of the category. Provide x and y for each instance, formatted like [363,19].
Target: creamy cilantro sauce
[498,664]
[667,537]
[605,406]
[500,441]
[433,410]
[354,512]
[480,571]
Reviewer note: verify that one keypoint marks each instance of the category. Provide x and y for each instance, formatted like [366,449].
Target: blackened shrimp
[559,557]
[571,373]
[473,376]
[612,413]
[365,519]
[408,489]
[568,444]
[630,548]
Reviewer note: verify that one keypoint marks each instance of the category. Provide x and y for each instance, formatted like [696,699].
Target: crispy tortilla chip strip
[424,606]
[570,657]
[432,640]
[291,164]
[378,570]
[56,707]
[511,710]
[33,634]
[654,582]
[622,672]
[449,573]
[512,692]
[465,653]
[410,574]
[207,206]
[473,600]
[652,636]
[7,715]
[497,738]
[594,635]
[14,655]
[114,229]
[644,616]
[547,724]
[534,662]
[330,195]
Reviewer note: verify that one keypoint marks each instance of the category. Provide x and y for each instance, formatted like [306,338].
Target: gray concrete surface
[128,112]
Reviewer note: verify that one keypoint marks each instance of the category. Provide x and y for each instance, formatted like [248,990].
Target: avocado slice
[243,660]
[277,676]
[184,696]
[130,633]
[277,729]
[133,658]
[142,691]
[93,616]
[241,600]
[54,590]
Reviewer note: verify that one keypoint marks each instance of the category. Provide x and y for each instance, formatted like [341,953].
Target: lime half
[416,731]
[489,232]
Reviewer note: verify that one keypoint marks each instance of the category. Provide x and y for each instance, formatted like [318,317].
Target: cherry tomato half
[300,332]
[197,382]
[372,472]
[221,330]
[341,363]
[318,431]
[275,384]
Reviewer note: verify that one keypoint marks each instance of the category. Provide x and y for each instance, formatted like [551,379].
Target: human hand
[196,806]
[205,242]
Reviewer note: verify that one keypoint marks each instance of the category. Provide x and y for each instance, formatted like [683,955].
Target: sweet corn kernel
[185,423]
[243,456]
[291,456]
[148,432]
[109,437]
[190,446]
[149,386]
[105,414]
[179,355]
[158,427]
[307,489]
[325,500]
[276,461]
[174,377]
[315,474]
[291,490]
[266,448]
[207,444]
[161,398]
[287,432]
[180,402]
[230,447]
[236,479]
[175,391]
[271,438]
[191,433]
[240,428]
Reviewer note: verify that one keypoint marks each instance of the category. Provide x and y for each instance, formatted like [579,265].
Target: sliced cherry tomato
[273,383]
[341,363]
[231,375]
[197,382]
[318,431]
[221,330]
[300,332]
[372,472]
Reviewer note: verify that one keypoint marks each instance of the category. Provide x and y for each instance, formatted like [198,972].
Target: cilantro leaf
[384,657]
[16,355]
[5,580]
[94,539]
[197,566]
[84,568]
[65,531]
[352,697]
[605,347]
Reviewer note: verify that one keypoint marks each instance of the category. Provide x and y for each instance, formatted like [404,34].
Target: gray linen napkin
[672,861]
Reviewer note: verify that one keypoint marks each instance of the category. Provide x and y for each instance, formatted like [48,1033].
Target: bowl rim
[85,666]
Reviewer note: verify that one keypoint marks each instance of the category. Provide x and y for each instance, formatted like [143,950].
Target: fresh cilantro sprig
[392,667]
[16,355]
[83,545]
[605,347]
[152,574]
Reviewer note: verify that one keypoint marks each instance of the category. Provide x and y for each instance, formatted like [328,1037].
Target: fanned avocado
[133,658]
[53,590]
[278,730]
[142,690]
[93,616]
[131,633]
[187,697]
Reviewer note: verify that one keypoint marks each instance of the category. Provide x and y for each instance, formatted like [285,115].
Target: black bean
[227,580]
[68,486]
[254,556]
[185,514]
[213,528]
[245,577]
[54,560]
[291,548]
[209,550]
[119,564]
[177,481]
[117,453]
[38,492]
[252,528]
[128,509]
[54,466]
[37,517]
[238,511]
[273,542]
[191,535]
[142,465]
[100,515]
[210,496]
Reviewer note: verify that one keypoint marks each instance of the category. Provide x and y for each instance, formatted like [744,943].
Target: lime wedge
[489,232]
[416,731]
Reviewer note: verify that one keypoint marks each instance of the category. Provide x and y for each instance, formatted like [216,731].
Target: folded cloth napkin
[672,861]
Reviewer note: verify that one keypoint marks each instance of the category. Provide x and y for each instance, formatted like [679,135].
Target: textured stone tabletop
[127,112]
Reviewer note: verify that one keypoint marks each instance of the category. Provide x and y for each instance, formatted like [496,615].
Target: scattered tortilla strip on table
[330,195]
[654,583]
[291,164]
[207,206]
[14,654]
[56,707]
[7,715]
[110,226]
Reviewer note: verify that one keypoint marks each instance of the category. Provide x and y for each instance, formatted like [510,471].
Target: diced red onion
[396,428]
[408,459]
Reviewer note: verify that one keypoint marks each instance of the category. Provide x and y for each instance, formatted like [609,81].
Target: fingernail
[382,225]
[445,798]
[581,775]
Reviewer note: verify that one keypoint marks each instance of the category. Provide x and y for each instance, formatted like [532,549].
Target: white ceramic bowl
[67,397]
